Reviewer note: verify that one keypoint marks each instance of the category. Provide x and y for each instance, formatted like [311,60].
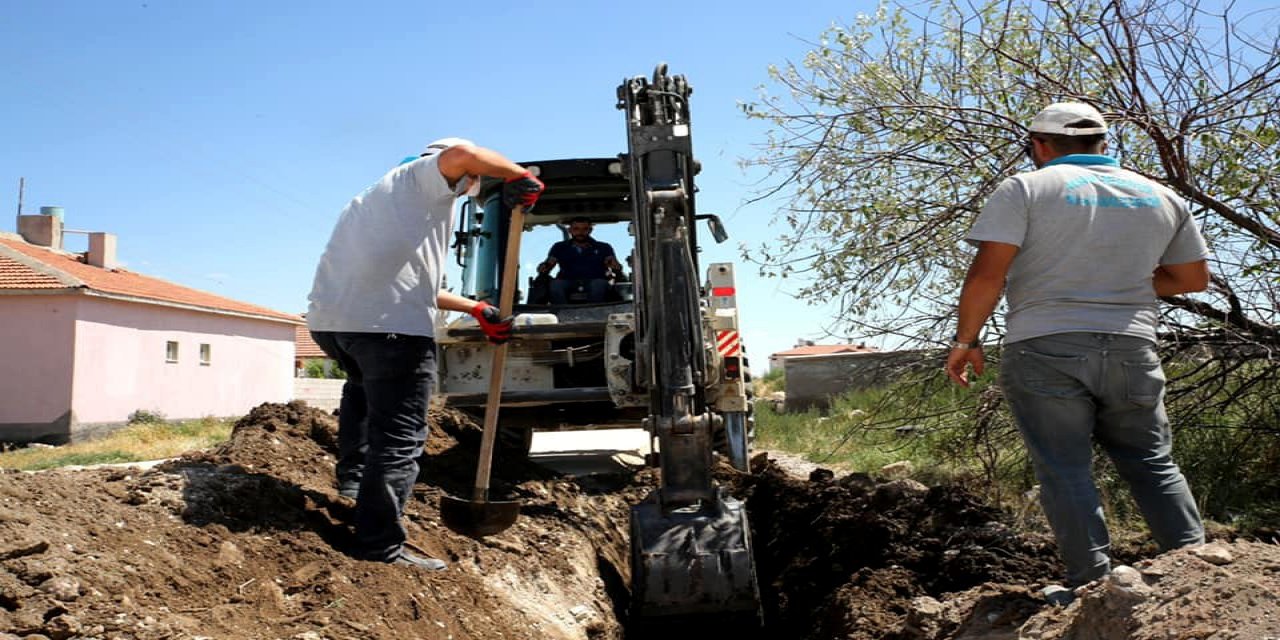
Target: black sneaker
[406,559]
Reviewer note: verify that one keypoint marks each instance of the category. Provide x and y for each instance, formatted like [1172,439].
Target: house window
[171,351]
[206,354]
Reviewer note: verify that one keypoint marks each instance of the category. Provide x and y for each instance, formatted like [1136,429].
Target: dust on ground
[247,541]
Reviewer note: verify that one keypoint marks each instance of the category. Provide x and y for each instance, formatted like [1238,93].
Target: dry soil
[248,541]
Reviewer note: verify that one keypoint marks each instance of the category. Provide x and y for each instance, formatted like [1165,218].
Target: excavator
[660,350]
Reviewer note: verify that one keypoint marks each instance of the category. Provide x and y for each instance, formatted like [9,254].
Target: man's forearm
[1163,283]
[486,162]
[1167,283]
[978,301]
[453,302]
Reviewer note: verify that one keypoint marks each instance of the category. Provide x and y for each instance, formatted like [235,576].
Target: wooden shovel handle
[506,300]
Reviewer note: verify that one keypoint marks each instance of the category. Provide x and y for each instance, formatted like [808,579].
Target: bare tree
[890,134]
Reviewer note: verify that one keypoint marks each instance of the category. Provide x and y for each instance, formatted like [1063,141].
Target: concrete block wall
[813,380]
[322,393]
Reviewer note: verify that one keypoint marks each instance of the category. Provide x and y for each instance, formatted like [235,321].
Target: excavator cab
[661,350]
[572,286]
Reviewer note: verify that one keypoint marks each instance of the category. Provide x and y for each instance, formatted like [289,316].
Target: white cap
[1055,118]
[436,146]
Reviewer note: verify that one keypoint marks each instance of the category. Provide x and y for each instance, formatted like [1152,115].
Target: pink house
[83,343]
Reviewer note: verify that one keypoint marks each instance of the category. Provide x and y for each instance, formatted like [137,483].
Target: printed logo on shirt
[1147,197]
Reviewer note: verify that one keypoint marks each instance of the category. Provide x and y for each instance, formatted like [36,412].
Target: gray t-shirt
[1090,235]
[384,263]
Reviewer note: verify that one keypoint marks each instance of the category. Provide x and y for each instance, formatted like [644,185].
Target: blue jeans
[1069,390]
[596,289]
[382,427]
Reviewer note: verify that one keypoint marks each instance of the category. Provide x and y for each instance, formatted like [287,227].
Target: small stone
[924,616]
[1125,589]
[64,588]
[925,606]
[230,554]
[582,613]
[1213,553]
[900,469]
[510,546]
[1126,576]
[62,627]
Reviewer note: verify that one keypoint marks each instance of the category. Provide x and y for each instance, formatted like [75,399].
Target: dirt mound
[247,541]
[845,557]
[855,558]
[1222,591]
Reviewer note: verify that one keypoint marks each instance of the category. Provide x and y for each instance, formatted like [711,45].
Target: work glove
[496,328]
[523,189]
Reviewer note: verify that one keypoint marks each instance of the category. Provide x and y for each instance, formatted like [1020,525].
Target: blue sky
[219,140]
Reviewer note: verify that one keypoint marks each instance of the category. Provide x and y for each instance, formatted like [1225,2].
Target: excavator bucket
[692,561]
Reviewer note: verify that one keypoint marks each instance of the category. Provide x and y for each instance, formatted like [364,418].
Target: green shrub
[315,368]
[1225,417]
[145,416]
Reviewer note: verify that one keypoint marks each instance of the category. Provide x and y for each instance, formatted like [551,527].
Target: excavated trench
[248,541]
[836,557]
[850,557]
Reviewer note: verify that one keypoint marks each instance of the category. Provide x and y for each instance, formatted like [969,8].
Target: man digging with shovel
[376,294]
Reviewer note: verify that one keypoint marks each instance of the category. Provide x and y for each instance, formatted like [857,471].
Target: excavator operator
[585,263]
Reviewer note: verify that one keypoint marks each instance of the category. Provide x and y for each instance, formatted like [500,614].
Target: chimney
[44,230]
[102,250]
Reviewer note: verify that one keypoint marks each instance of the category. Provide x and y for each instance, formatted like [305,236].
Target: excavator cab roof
[593,188]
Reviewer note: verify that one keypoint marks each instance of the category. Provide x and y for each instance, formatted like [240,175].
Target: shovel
[481,516]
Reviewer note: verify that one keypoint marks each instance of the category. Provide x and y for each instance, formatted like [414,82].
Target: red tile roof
[16,273]
[304,346]
[823,350]
[26,266]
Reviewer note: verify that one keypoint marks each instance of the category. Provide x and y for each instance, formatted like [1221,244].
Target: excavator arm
[691,550]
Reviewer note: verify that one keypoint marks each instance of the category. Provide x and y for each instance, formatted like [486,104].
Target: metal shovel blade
[478,518]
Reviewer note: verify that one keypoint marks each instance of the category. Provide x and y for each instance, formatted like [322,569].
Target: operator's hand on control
[496,328]
[523,189]
[958,362]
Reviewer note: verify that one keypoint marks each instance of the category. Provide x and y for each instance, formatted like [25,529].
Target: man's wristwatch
[956,343]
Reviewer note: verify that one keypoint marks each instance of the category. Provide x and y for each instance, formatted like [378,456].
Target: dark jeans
[382,427]
[1070,390]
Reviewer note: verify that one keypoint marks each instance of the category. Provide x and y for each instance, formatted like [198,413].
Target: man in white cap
[1087,248]
[372,307]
